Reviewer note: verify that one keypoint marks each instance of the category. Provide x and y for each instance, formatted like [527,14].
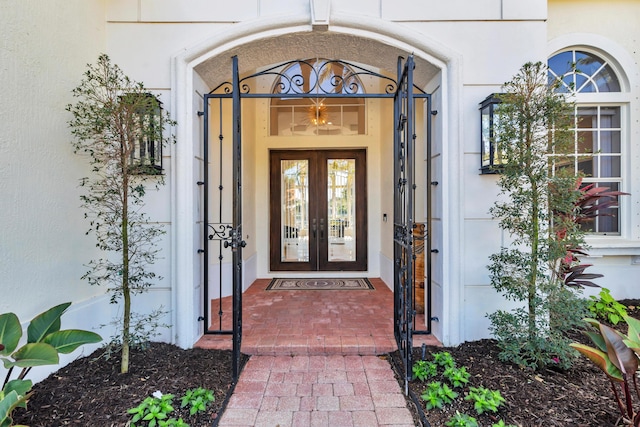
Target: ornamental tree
[538,210]
[120,127]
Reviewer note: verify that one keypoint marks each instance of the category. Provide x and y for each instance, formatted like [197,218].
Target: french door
[318,214]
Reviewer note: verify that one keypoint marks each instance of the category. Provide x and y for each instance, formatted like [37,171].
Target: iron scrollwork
[218,231]
[229,236]
[313,77]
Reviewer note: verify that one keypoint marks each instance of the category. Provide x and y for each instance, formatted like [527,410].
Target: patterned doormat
[319,284]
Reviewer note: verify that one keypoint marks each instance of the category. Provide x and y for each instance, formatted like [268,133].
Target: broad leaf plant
[45,342]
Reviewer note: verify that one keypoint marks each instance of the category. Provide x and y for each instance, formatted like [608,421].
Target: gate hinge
[200,251]
[434,183]
[434,112]
[435,251]
[435,319]
[200,182]
[200,318]
[200,113]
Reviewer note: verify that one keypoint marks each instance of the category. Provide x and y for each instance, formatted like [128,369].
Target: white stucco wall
[475,45]
[44,50]
[42,244]
[487,37]
[611,29]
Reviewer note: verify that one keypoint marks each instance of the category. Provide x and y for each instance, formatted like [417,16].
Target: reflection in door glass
[341,209]
[294,232]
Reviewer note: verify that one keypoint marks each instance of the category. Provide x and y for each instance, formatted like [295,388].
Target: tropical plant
[13,395]
[617,356]
[592,202]
[112,117]
[533,130]
[606,307]
[45,342]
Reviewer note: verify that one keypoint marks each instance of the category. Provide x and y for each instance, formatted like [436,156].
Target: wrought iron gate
[222,235]
[403,211]
[226,235]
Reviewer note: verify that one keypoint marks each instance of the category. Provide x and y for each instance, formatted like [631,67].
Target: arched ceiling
[274,50]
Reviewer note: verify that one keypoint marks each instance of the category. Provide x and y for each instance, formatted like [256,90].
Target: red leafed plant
[594,200]
[616,355]
[590,204]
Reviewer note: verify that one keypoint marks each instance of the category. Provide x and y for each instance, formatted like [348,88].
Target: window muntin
[598,132]
[583,72]
[322,115]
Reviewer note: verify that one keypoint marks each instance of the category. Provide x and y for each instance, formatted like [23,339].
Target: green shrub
[458,377]
[462,420]
[605,307]
[423,369]
[485,400]
[437,395]
[444,359]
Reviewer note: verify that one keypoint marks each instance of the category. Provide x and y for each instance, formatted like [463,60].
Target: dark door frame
[226,234]
[318,235]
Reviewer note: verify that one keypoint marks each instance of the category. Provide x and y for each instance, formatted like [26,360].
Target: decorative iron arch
[311,85]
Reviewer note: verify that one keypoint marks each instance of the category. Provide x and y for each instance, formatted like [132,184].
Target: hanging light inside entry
[318,114]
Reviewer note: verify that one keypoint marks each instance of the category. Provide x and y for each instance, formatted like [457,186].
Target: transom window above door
[326,113]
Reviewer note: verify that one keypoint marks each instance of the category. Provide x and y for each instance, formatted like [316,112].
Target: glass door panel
[341,209]
[294,219]
[318,218]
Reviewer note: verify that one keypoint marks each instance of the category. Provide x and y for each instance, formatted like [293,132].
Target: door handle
[321,228]
[314,227]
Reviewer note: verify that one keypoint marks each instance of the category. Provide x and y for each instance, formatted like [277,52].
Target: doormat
[319,284]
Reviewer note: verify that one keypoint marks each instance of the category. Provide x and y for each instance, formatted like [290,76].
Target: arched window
[598,131]
[325,114]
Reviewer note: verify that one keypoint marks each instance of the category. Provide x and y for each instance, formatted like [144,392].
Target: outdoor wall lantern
[491,159]
[146,157]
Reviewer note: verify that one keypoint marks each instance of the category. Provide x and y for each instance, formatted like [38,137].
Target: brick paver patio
[313,322]
[315,359]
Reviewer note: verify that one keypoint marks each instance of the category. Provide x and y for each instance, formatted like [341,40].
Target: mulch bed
[580,397]
[91,392]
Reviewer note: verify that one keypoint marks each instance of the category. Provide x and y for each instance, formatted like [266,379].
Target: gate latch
[234,240]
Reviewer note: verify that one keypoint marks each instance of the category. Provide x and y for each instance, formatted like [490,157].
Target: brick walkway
[310,391]
[314,359]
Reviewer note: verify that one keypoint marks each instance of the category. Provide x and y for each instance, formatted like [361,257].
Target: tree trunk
[535,237]
[126,295]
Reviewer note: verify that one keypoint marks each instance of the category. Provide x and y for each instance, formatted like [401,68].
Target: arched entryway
[195,74]
[299,175]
